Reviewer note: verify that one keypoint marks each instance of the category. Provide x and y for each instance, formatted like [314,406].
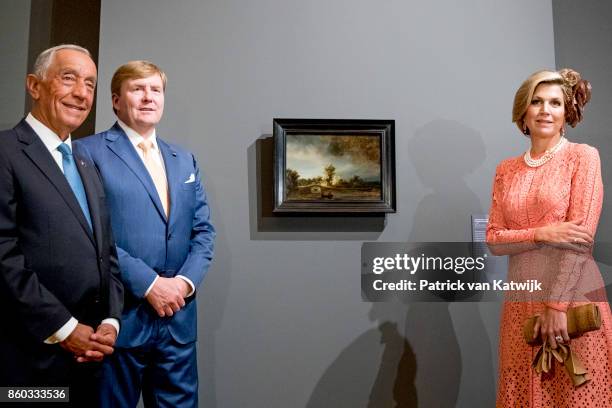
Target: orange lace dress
[566,188]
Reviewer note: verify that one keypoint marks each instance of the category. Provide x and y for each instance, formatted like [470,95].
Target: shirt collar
[135,137]
[49,138]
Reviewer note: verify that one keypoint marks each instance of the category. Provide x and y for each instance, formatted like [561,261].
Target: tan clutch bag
[580,320]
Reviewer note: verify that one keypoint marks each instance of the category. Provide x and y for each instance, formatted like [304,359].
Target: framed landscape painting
[334,165]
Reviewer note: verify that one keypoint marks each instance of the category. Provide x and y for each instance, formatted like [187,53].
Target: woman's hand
[565,234]
[551,324]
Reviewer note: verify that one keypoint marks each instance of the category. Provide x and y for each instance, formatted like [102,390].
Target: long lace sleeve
[501,239]
[587,191]
[586,197]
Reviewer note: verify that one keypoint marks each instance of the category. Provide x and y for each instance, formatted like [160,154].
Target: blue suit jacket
[148,244]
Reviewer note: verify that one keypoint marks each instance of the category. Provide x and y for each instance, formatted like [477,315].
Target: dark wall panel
[54,22]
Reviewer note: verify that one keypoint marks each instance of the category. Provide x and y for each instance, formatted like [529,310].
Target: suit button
[96,300]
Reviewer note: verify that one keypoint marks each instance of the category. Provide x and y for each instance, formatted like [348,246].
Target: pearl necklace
[548,154]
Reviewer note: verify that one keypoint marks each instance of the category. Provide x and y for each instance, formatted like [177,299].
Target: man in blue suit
[161,223]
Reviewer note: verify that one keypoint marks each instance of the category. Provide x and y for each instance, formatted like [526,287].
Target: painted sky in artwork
[350,155]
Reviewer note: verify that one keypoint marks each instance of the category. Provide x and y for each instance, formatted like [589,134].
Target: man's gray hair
[43,61]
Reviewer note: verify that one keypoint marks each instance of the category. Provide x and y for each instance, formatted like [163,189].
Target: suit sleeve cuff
[63,332]
[189,282]
[113,322]
[150,286]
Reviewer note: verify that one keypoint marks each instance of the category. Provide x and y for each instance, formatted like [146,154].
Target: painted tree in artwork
[355,181]
[330,171]
[292,179]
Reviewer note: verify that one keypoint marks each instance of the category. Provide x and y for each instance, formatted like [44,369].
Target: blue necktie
[74,179]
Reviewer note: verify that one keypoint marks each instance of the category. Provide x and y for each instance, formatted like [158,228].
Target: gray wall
[583,41]
[14,29]
[282,323]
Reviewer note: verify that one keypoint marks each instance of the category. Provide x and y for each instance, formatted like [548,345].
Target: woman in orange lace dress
[550,197]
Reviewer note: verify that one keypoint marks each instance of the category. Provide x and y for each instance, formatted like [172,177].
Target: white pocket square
[191,178]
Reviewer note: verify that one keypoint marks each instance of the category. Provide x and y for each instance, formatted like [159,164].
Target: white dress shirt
[135,138]
[52,142]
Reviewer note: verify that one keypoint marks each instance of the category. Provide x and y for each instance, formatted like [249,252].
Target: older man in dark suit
[60,292]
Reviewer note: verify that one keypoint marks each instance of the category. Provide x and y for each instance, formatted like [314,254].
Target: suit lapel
[40,156]
[119,143]
[172,175]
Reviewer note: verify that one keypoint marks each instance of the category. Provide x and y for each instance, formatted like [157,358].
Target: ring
[559,339]
[575,239]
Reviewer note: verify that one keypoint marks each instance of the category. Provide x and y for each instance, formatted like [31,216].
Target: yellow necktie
[156,172]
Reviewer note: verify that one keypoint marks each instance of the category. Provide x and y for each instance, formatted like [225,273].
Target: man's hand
[104,335]
[80,344]
[167,295]
[183,286]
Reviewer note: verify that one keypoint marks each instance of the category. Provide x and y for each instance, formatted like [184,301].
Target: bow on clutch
[563,354]
[580,319]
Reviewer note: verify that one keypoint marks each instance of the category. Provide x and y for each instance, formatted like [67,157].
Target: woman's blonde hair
[576,92]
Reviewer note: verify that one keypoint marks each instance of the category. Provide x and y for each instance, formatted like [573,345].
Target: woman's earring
[562,131]
[525,130]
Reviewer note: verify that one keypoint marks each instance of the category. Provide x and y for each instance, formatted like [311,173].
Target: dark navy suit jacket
[148,243]
[52,265]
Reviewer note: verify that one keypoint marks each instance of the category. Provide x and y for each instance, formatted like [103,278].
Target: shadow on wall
[455,362]
[377,370]
[265,225]
[435,363]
